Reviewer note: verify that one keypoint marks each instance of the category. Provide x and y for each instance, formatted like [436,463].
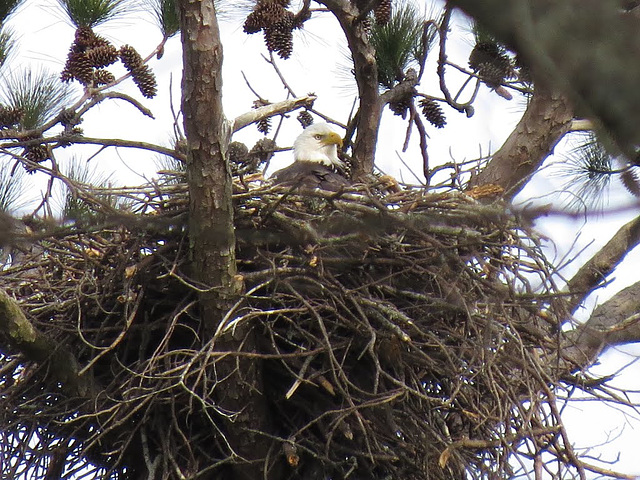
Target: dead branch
[277,108]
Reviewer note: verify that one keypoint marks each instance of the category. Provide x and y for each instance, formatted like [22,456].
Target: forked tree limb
[366,73]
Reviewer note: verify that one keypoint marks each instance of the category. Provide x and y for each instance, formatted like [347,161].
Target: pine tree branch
[546,120]
[587,49]
[19,337]
[615,322]
[593,273]
[366,73]
[277,108]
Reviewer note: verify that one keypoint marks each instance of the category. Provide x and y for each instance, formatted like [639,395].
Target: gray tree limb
[615,322]
[277,108]
[19,337]
[593,273]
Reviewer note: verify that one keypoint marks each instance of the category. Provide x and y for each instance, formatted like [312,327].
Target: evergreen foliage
[90,13]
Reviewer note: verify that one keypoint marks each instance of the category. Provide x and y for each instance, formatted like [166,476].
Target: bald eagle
[316,163]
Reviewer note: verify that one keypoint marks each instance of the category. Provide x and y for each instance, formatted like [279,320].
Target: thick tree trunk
[237,379]
[210,186]
[594,273]
[19,337]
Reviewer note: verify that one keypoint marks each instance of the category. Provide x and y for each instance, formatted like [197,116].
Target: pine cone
[433,112]
[35,153]
[144,78]
[84,38]
[142,75]
[400,107]
[279,41]
[382,12]
[264,125]
[491,75]
[102,56]
[130,57]
[305,118]
[68,117]
[237,154]
[77,67]
[491,62]
[103,77]
[276,22]
[279,37]
[264,15]
[630,178]
[262,151]
[10,116]
[254,22]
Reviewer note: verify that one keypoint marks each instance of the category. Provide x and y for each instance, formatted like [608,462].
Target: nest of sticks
[398,336]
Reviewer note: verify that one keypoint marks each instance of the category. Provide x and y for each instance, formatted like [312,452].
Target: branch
[615,322]
[404,89]
[19,336]
[278,108]
[587,49]
[593,273]
[105,142]
[546,120]
[366,73]
[442,62]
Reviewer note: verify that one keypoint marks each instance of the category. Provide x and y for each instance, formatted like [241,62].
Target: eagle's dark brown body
[311,175]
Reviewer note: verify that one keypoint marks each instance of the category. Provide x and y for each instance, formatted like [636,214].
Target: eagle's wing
[311,175]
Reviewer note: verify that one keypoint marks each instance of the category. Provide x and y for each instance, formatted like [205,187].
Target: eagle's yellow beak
[332,138]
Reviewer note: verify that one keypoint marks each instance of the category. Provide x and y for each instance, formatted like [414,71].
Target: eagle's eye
[317,136]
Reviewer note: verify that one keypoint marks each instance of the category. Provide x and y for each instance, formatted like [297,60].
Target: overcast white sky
[44,39]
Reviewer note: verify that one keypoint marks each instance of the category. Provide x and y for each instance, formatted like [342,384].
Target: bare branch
[615,322]
[277,108]
[593,273]
[19,336]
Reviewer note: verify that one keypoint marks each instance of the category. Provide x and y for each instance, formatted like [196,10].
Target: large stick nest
[409,336]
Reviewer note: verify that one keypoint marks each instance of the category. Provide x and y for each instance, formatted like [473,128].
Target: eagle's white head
[318,144]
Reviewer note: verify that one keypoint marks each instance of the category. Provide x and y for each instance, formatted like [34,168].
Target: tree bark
[593,273]
[615,322]
[238,381]
[366,73]
[587,49]
[208,175]
[546,120]
[19,336]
